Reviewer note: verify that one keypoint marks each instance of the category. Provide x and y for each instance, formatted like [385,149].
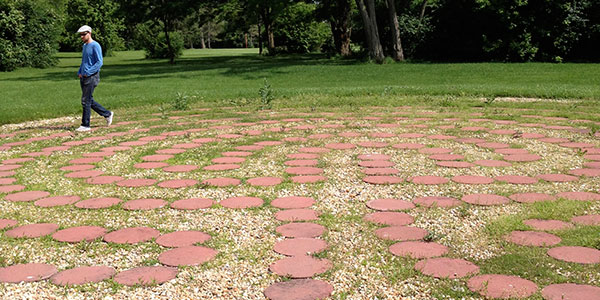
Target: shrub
[155,43]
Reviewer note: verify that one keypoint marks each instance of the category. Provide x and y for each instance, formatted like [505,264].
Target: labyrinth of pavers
[295,168]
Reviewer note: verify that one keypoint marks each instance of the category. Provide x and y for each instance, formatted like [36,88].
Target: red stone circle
[264,181]
[547,224]
[222,181]
[437,201]
[56,201]
[32,230]
[502,286]
[26,272]
[472,179]
[557,177]
[390,218]
[576,254]
[5,223]
[241,202]
[79,233]
[485,199]
[592,220]
[292,202]
[177,183]
[446,267]
[132,235]
[533,238]
[97,203]
[192,203]
[301,266]
[299,289]
[187,256]
[136,182]
[516,179]
[429,180]
[144,204]
[300,246]
[26,196]
[83,275]
[531,197]
[390,204]
[300,230]
[579,196]
[401,233]
[571,291]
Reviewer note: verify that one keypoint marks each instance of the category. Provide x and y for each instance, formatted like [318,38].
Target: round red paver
[308,179]
[302,162]
[180,168]
[503,131]
[434,150]
[576,145]
[144,204]
[375,163]
[299,289]
[249,147]
[182,238]
[292,202]
[576,254]
[340,146]
[11,188]
[5,223]
[390,204]
[428,180]
[136,182]
[547,224]
[83,275]
[96,203]
[131,235]
[297,214]
[170,151]
[437,201]
[236,153]
[557,177]
[571,291]
[77,168]
[9,167]
[416,249]
[192,203]
[300,246]
[6,174]
[16,160]
[177,183]
[485,199]
[268,143]
[26,196]
[301,230]
[146,276]
[264,181]
[531,197]
[57,201]
[84,174]
[314,150]
[104,179]
[401,233]
[408,146]
[302,156]
[446,157]
[533,238]
[373,157]
[241,202]
[516,179]
[492,163]
[228,160]
[187,256]
[592,165]
[151,165]
[304,170]
[585,172]
[301,266]
[380,171]
[593,220]
[443,267]
[502,286]
[472,179]
[390,218]
[222,181]
[221,167]
[382,179]
[5,181]
[522,157]
[157,157]
[579,196]
[26,272]
[79,233]
[32,230]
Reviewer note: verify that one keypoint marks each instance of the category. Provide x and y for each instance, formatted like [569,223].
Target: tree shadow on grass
[246,66]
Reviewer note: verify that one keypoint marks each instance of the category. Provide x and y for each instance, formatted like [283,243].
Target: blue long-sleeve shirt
[91,59]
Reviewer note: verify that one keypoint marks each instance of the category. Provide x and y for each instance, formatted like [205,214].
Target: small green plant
[266,95]
[181,102]
[162,109]
[387,91]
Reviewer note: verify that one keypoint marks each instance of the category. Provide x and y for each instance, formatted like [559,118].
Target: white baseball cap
[84,28]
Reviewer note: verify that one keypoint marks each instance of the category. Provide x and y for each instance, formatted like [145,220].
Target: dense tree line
[31,31]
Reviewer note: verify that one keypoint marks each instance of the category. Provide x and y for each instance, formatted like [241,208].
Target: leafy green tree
[297,29]
[29,30]
[338,13]
[102,16]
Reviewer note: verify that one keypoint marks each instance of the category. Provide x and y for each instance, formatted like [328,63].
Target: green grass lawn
[129,80]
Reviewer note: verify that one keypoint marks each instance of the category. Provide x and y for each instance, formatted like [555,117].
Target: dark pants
[88,84]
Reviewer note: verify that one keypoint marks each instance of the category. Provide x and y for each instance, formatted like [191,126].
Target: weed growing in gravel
[266,95]
[182,101]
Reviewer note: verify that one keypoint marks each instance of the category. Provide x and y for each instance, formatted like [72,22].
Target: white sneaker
[83,128]
[109,118]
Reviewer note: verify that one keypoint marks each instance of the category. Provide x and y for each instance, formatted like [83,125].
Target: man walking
[89,77]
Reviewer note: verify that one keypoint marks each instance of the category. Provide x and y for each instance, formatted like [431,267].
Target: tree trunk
[423,7]
[167,27]
[397,53]
[202,43]
[260,40]
[367,13]
[266,18]
[340,27]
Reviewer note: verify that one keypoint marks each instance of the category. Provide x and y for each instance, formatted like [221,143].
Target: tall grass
[128,80]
